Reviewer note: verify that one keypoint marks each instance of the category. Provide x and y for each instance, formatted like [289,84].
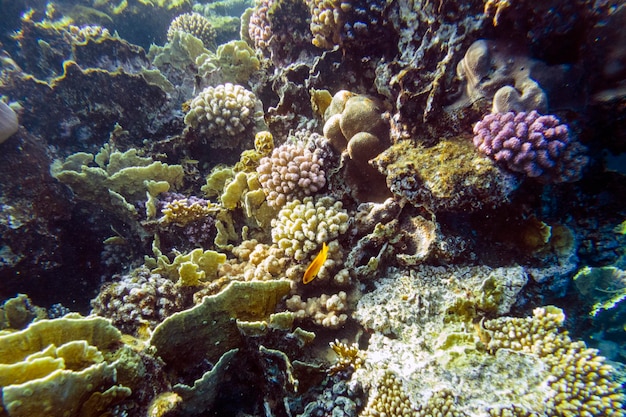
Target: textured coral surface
[308,208]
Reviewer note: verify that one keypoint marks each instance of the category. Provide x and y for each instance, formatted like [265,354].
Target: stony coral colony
[441,156]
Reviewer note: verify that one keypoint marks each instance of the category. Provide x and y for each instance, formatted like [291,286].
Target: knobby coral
[292,171]
[225,110]
[136,299]
[536,145]
[194,24]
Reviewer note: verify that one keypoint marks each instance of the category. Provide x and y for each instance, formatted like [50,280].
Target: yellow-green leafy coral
[250,158]
[209,329]
[189,269]
[581,383]
[302,226]
[234,60]
[118,180]
[60,365]
[238,189]
[180,52]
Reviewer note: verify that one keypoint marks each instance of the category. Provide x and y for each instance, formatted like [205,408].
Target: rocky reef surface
[312,208]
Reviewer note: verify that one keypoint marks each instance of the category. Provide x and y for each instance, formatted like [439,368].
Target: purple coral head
[536,145]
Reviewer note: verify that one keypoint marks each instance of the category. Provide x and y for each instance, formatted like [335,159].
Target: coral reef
[194,24]
[292,171]
[375,208]
[137,299]
[530,143]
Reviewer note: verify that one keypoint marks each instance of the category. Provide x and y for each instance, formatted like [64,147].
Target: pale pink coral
[292,171]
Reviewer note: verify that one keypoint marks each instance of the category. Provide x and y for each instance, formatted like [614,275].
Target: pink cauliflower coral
[292,171]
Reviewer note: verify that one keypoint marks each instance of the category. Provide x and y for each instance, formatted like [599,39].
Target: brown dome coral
[355,126]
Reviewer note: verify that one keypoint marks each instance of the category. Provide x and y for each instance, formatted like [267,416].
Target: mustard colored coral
[582,384]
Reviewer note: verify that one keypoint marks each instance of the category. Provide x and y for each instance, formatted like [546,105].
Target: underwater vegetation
[312,208]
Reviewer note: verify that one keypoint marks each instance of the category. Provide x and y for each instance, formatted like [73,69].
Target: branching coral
[536,145]
[293,171]
[301,227]
[194,24]
[326,310]
[582,384]
[348,357]
[225,110]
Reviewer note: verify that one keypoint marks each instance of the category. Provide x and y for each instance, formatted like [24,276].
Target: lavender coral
[536,145]
[292,171]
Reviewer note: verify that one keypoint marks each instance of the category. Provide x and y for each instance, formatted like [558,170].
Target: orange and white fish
[316,264]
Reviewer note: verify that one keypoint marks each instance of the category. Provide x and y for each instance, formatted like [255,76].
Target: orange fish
[314,267]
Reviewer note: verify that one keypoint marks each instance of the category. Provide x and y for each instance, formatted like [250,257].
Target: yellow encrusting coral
[189,269]
[181,213]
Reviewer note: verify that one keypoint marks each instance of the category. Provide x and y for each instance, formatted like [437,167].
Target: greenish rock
[17,312]
[450,176]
